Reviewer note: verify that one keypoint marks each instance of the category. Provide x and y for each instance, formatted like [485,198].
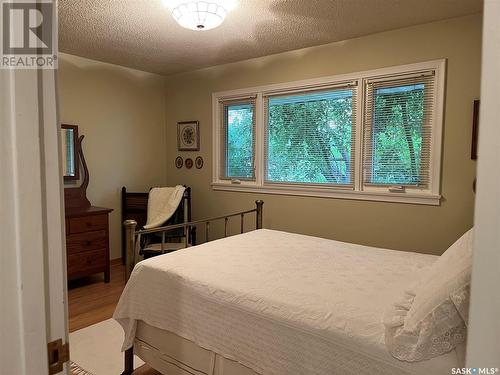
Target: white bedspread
[280,303]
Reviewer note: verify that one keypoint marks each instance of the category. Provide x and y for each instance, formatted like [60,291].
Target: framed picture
[188,136]
[475,130]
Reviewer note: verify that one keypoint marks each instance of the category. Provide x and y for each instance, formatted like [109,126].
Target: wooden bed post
[258,221]
[130,226]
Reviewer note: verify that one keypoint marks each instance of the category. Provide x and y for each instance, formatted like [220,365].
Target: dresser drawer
[87,223]
[86,263]
[76,243]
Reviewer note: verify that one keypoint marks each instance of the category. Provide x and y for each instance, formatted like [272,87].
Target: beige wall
[400,226]
[121,112]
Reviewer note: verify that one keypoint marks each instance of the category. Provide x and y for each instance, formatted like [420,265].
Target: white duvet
[280,303]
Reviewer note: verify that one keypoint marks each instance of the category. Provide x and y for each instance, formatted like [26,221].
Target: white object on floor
[162,203]
[97,348]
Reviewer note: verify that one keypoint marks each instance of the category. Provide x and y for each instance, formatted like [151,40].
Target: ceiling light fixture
[199,14]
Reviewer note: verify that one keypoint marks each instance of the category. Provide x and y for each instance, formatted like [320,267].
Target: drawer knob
[88,223]
[88,243]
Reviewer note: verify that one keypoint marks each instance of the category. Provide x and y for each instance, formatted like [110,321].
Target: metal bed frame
[133,239]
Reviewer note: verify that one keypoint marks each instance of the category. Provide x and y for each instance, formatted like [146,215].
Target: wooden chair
[135,207]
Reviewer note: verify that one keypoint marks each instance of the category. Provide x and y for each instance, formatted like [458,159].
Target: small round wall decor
[189,163]
[198,162]
[179,162]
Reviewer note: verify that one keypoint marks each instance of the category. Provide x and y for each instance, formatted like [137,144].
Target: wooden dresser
[87,242]
[87,226]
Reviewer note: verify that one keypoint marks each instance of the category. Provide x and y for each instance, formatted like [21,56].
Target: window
[309,137]
[398,131]
[238,140]
[372,135]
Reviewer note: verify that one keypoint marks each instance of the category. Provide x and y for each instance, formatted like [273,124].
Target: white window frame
[223,165]
[429,196]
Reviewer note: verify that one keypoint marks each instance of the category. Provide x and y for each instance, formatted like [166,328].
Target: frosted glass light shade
[198,14]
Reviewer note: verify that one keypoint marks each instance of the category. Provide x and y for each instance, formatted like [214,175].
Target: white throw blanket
[162,203]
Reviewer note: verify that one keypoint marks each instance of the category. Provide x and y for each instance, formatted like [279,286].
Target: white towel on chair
[162,203]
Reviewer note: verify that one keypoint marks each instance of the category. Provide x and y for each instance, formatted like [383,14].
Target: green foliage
[239,145]
[397,135]
[309,137]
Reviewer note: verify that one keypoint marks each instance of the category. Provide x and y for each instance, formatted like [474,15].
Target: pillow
[432,317]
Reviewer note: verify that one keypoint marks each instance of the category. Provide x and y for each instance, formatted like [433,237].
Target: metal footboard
[133,239]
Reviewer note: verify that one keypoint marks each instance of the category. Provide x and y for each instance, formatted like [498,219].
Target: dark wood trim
[107,270]
[192,232]
[75,198]
[475,130]
[92,210]
[138,212]
[129,361]
[122,214]
[76,177]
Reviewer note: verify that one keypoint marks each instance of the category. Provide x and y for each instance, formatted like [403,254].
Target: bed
[271,302]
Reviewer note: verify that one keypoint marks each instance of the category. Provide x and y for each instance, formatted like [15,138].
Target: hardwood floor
[91,301]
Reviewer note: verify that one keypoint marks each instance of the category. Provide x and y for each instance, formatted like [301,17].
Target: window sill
[409,198]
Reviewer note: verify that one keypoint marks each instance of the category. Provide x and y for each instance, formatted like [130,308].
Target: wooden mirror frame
[75,198]
[76,177]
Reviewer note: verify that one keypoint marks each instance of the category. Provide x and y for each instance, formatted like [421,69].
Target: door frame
[33,265]
[483,346]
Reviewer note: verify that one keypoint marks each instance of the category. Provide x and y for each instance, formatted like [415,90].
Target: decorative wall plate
[179,162]
[198,162]
[189,163]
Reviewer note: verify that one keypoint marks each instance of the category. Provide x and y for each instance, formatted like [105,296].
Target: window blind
[238,139]
[398,131]
[309,136]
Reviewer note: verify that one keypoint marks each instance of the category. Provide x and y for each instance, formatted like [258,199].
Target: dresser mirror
[70,162]
[87,226]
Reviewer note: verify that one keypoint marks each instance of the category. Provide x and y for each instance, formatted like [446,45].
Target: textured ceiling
[142,34]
